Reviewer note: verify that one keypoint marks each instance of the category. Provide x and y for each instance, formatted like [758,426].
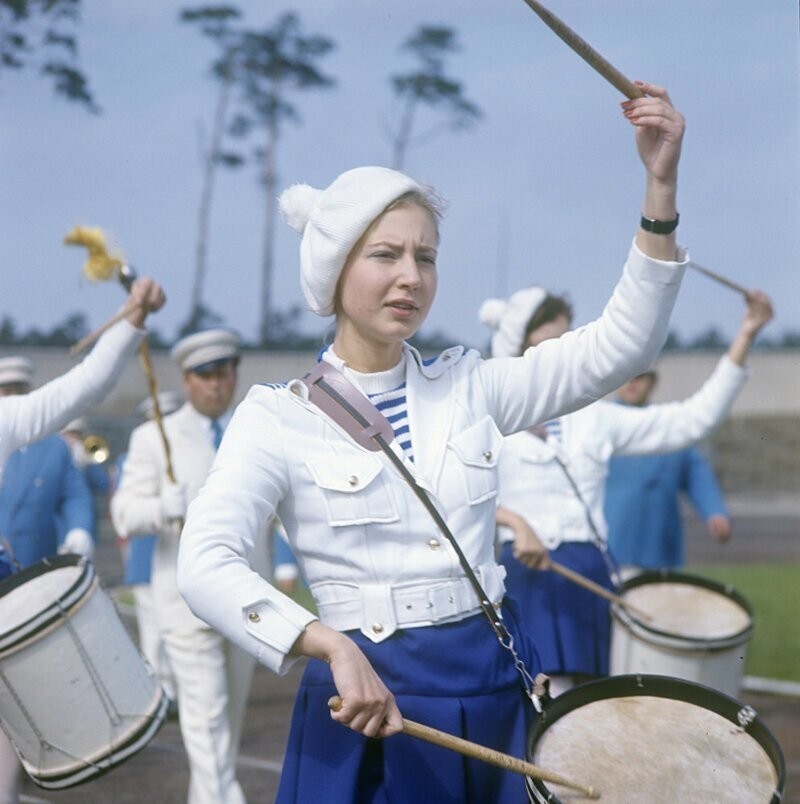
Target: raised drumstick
[586,51]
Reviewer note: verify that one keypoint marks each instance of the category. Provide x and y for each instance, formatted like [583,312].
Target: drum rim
[673,576]
[116,755]
[638,684]
[45,617]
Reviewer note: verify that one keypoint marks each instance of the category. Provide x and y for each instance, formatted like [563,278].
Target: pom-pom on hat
[509,318]
[15,371]
[205,348]
[332,221]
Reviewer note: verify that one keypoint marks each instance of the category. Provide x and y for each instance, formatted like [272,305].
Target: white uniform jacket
[371,553]
[136,505]
[533,483]
[46,410]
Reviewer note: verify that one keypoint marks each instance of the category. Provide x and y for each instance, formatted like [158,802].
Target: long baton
[126,277]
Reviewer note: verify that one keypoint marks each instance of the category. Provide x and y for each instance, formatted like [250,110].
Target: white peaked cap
[15,370]
[204,347]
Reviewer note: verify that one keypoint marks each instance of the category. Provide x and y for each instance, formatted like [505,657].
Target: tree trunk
[400,144]
[270,181]
[206,193]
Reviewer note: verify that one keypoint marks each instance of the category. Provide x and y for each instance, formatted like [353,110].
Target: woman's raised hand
[659,131]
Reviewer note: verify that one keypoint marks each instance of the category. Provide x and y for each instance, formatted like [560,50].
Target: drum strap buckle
[746,716]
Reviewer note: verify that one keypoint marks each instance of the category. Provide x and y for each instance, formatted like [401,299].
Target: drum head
[686,607]
[32,600]
[655,739]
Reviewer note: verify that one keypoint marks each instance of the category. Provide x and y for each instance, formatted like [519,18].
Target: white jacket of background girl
[534,485]
[373,558]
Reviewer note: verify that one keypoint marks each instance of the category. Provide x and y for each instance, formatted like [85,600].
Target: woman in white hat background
[400,629]
[552,483]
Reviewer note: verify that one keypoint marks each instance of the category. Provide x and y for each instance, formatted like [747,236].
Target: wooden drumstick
[586,583]
[586,51]
[723,280]
[481,752]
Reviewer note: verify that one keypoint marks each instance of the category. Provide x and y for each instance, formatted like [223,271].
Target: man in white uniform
[212,677]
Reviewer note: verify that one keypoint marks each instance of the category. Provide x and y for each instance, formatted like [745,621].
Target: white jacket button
[377,628]
[434,544]
[254,617]
[353,480]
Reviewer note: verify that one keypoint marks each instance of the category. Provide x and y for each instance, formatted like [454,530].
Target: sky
[545,189]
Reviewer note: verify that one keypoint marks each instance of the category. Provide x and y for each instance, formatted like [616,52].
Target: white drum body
[653,739]
[76,696]
[682,626]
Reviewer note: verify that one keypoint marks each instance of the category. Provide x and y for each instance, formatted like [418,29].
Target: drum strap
[599,541]
[342,402]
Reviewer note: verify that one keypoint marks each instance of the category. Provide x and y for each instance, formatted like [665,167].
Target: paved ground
[765,530]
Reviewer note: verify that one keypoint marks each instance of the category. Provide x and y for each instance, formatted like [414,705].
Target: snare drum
[695,629]
[76,696]
[655,739]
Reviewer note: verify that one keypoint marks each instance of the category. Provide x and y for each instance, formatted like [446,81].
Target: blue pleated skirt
[454,677]
[570,626]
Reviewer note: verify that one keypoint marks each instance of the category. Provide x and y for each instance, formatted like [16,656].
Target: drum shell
[744,723]
[641,647]
[76,696]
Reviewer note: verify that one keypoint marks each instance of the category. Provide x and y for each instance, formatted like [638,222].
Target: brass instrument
[96,448]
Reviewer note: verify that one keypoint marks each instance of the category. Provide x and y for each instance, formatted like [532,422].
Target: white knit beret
[15,370]
[509,319]
[332,221]
[205,347]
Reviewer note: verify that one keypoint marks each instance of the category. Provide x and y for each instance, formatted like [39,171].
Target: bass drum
[76,696]
[655,739]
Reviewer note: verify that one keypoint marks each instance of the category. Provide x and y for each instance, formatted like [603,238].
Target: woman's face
[552,329]
[389,280]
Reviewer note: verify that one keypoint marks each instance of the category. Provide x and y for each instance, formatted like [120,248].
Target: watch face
[659,227]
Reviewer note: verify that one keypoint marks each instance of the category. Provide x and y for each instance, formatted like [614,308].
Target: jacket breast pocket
[477,450]
[355,490]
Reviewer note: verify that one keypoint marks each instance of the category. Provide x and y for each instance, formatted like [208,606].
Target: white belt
[378,610]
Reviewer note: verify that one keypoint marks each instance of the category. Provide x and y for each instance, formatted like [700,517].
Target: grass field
[774,592]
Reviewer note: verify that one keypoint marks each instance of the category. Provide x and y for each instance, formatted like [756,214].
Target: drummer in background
[29,417]
[137,559]
[643,495]
[400,627]
[552,482]
[212,676]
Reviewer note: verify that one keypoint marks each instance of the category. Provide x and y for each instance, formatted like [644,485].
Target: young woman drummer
[400,631]
[552,483]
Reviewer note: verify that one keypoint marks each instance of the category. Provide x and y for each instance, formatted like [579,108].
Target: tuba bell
[96,448]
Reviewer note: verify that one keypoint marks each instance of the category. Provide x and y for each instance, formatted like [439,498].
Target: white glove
[78,541]
[173,501]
